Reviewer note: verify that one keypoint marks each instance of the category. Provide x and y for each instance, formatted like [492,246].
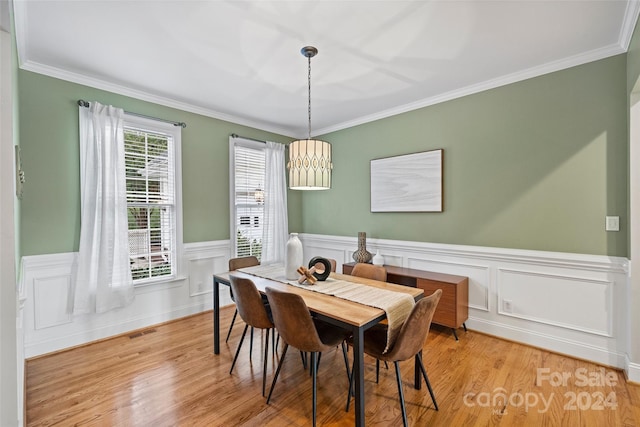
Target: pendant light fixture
[309,159]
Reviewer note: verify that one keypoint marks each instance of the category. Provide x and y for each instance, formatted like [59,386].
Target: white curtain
[276,222]
[103,276]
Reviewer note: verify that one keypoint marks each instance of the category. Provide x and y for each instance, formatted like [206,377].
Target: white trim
[577,349]
[630,18]
[629,23]
[606,283]
[632,370]
[483,265]
[45,326]
[175,132]
[553,259]
[81,79]
[518,76]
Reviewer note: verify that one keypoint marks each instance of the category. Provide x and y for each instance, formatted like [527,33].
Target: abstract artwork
[407,183]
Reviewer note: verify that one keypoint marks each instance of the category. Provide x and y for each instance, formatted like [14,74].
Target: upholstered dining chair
[252,310]
[234,264]
[408,344]
[370,271]
[298,329]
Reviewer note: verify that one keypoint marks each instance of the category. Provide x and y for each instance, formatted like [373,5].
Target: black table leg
[216,317]
[358,374]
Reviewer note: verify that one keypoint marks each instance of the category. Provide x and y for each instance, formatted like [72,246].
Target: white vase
[293,257]
[378,259]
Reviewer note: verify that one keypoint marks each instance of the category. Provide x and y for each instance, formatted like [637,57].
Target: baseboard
[632,370]
[45,347]
[556,344]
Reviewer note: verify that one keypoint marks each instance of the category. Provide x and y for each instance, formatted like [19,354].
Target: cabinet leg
[464,326]
[455,335]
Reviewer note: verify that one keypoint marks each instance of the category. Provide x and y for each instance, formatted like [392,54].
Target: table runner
[397,305]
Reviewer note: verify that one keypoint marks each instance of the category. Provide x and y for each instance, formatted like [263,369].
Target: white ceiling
[240,60]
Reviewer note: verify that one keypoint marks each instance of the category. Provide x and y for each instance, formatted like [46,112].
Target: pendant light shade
[309,159]
[309,165]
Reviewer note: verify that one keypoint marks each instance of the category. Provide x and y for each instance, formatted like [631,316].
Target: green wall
[536,164]
[50,209]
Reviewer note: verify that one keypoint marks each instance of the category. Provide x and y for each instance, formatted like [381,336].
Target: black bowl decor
[321,275]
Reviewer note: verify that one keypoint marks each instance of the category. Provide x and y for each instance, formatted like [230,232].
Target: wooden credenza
[453,308]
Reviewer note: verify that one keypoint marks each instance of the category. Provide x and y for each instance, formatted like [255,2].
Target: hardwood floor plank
[167,375]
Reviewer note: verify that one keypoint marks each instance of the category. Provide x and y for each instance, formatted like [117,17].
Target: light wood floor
[168,376]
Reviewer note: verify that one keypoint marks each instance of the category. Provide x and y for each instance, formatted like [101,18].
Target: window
[153,201]
[247,196]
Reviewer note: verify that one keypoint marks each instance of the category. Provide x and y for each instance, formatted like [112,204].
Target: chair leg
[303,356]
[346,358]
[377,370]
[251,344]
[244,332]
[233,320]
[317,363]
[400,394]
[275,376]
[314,374]
[426,380]
[350,391]
[264,363]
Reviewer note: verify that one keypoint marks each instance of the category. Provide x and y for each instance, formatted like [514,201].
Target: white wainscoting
[573,304]
[46,280]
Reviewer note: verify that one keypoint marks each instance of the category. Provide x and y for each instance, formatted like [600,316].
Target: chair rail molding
[575,304]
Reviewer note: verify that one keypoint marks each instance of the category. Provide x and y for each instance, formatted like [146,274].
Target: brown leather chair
[298,329]
[370,271]
[409,343]
[234,264]
[252,310]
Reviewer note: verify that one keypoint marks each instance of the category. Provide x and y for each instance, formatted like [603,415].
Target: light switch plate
[612,223]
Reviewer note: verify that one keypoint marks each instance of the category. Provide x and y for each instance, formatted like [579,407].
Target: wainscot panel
[45,286]
[573,304]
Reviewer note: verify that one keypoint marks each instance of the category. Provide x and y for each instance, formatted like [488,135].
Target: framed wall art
[407,183]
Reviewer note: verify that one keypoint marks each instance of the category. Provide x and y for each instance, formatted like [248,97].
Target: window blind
[249,170]
[151,203]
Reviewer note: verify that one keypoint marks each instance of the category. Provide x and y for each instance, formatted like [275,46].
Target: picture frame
[408,183]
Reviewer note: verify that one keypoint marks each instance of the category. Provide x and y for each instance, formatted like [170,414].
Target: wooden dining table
[352,316]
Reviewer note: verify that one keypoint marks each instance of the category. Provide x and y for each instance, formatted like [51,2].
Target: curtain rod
[84,103]
[235,135]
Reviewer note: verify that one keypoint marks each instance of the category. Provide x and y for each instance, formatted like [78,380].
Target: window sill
[159,283]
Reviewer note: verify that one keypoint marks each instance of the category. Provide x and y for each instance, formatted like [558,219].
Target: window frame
[233,230]
[143,124]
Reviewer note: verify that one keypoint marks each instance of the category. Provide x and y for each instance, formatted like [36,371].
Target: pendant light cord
[309,58]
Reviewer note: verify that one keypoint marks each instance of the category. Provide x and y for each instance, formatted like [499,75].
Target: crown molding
[81,79]
[631,15]
[547,68]
[629,23]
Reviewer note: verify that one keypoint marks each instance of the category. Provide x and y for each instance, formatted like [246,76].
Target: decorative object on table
[293,257]
[378,259]
[362,255]
[309,159]
[420,177]
[306,275]
[320,275]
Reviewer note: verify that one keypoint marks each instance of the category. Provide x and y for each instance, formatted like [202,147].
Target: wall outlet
[507,306]
[612,223]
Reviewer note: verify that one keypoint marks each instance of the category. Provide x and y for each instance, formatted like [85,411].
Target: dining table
[352,316]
